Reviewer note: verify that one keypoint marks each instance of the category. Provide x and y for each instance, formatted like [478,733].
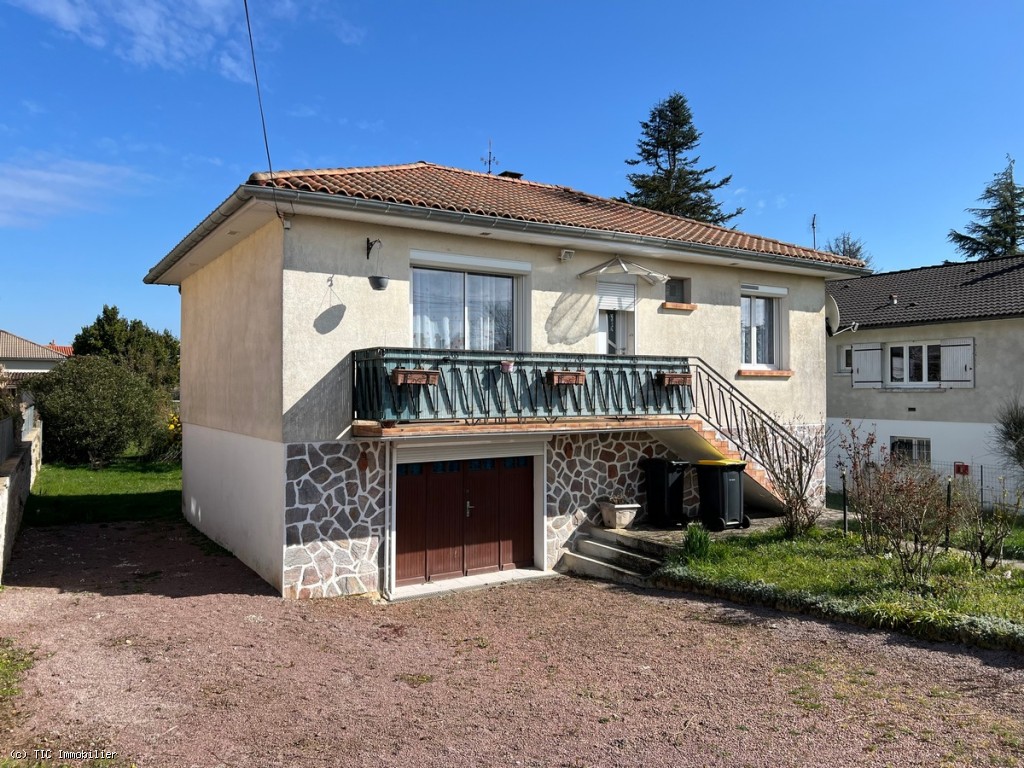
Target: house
[935,352]
[21,358]
[409,373]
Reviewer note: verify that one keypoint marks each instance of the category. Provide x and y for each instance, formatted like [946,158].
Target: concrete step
[615,554]
[626,540]
[583,565]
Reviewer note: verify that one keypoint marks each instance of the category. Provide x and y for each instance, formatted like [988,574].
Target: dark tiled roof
[959,291]
[436,186]
[16,348]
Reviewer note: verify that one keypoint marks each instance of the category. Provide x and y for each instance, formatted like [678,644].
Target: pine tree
[999,229]
[674,184]
[848,246]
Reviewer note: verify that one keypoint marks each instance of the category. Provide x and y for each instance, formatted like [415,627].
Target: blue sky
[124,122]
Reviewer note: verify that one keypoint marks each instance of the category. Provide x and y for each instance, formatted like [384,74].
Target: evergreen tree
[848,246]
[999,228]
[674,184]
[132,344]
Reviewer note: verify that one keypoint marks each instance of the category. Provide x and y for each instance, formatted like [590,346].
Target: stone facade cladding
[334,519]
[335,503]
[583,468]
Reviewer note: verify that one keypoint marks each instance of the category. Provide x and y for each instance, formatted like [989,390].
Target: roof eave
[291,197]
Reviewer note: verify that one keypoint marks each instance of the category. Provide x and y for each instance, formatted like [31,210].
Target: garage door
[458,518]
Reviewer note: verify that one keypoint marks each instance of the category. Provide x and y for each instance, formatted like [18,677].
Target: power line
[259,95]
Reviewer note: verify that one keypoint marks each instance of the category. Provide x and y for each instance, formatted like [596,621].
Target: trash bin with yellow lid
[720,482]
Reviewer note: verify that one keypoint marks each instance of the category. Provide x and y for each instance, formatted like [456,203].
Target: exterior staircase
[611,555]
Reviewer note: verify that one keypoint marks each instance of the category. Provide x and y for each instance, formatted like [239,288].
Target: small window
[844,359]
[677,290]
[758,331]
[917,450]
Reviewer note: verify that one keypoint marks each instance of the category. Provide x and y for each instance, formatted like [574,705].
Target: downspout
[389,524]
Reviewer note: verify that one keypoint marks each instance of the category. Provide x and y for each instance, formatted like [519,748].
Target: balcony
[437,386]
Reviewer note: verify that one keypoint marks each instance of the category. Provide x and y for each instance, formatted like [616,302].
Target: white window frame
[777,296]
[519,271]
[905,382]
[920,448]
[844,358]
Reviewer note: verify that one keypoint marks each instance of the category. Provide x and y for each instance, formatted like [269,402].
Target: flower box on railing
[672,379]
[400,376]
[565,378]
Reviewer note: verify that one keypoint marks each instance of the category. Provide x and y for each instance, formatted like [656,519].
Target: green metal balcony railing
[430,385]
[418,385]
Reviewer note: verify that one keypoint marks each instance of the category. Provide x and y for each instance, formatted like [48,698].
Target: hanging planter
[565,378]
[672,379]
[400,376]
[508,366]
[378,282]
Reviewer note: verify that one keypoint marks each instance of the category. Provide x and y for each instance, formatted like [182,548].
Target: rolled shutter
[616,296]
[867,366]
[958,363]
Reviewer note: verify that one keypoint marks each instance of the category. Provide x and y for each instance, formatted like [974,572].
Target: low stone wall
[17,474]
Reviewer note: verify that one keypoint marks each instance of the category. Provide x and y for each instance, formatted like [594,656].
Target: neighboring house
[21,358]
[936,351]
[532,345]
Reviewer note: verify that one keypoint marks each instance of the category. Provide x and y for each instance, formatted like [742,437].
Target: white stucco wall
[330,310]
[951,441]
[231,339]
[233,491]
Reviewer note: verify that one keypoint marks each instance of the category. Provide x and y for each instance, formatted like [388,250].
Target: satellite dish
[831,315]
[832,326]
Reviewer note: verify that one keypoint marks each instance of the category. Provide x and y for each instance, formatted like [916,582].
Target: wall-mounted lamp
[566,255]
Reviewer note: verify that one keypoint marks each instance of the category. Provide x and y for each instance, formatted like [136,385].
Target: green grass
[827,573]
[127,489]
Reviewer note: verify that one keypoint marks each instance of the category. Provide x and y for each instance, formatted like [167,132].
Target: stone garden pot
[618,515]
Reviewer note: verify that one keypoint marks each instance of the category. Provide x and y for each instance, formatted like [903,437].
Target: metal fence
[992,480]
[6,437]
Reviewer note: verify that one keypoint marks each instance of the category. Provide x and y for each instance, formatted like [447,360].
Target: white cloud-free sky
[124,122]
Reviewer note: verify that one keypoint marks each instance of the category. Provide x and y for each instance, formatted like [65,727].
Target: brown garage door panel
[516,495]
[410,519]
[445,515]
[483,494]
[436,538]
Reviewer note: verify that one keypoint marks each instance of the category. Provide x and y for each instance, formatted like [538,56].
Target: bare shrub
[986,529]
[792,469]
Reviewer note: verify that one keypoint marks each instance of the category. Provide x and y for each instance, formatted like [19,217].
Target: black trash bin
[721,494]
[666,488]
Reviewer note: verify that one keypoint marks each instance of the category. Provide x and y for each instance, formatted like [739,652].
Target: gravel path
[148,644]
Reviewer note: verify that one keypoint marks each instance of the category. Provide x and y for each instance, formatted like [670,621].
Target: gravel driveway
[150,644]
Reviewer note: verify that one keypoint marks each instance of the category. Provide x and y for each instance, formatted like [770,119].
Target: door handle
[469,508]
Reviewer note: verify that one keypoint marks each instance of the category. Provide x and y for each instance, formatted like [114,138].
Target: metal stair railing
[749,427]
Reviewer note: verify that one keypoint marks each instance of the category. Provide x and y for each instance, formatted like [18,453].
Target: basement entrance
[459,518]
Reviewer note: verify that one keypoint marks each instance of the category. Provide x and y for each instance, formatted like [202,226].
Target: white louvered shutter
[867,366]
[958,363]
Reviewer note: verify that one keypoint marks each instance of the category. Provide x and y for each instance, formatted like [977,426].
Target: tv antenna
[814,231]
[490,160]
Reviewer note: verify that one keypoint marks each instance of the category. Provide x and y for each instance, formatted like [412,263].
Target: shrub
[985,530]
[94,410]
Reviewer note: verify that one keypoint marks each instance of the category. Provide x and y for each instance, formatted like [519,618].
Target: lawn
[127,489]
[828,573]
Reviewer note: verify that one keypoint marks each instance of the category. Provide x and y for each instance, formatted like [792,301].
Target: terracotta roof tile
[16,348]
[947,292]
[65,349]
[435,186]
